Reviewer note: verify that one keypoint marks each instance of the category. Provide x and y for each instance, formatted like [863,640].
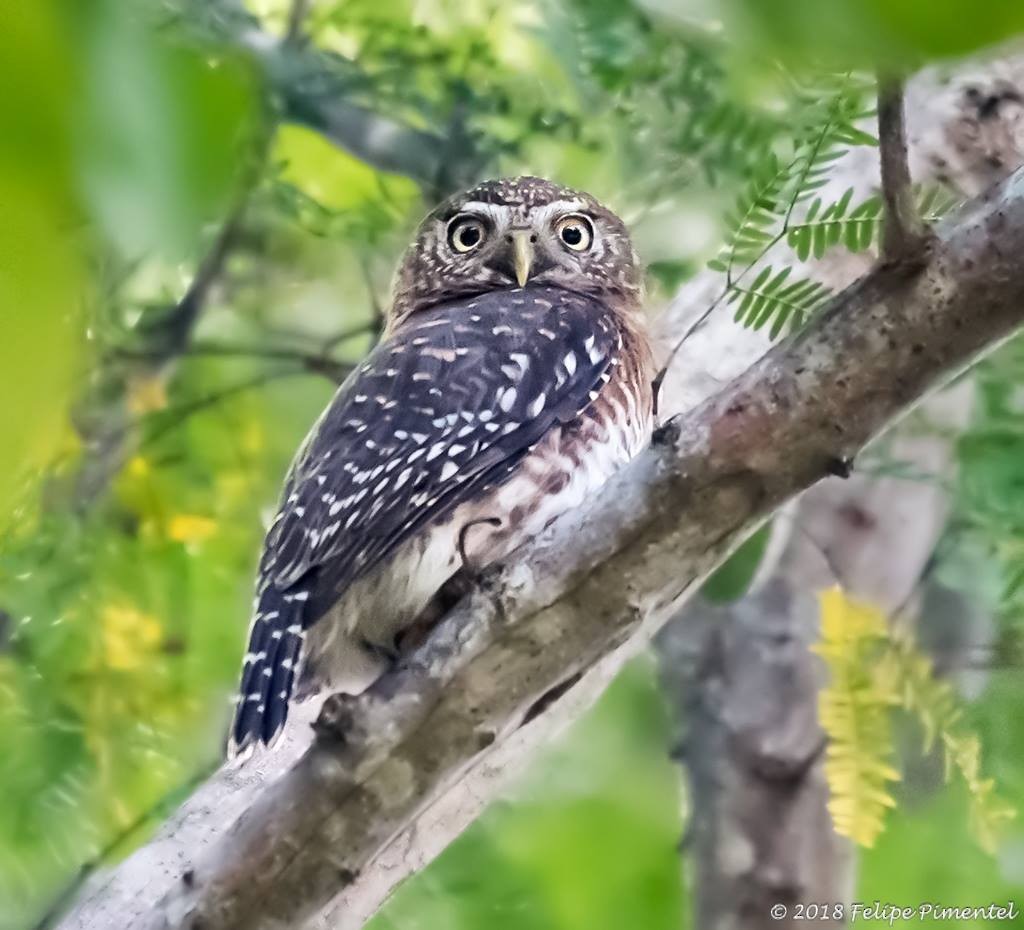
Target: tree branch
[108,429]
[315,88]
[905,236]
[382,759]
[296,18]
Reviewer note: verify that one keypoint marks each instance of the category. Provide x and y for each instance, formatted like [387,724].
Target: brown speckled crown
[525,191]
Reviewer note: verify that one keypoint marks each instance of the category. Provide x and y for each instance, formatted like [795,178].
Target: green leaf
[670,274]
[162,135]
[864,34]
[43,283]
[731,580]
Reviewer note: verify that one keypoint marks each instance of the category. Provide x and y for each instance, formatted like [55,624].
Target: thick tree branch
[905,236]
[744,684]
[314,88]
[381,759]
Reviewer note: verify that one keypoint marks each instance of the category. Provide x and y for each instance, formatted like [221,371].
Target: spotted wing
[450,404]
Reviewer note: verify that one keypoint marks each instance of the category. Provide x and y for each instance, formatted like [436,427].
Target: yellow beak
[522,249]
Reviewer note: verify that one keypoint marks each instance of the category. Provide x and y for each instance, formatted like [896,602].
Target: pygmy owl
[513,378]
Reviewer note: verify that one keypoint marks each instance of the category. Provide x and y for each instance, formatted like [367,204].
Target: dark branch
[315,88]
[169,334]
[296,18]
[905,236]
[107,427]
[321,363]
[165,421]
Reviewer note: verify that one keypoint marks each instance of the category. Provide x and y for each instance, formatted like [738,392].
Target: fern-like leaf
[873,671]
[934,201]
[857,229]
[750,222]
[855,713]
[774,298]
[933,702]
[821,229]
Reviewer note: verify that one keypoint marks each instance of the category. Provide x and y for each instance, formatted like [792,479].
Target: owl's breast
[563,470]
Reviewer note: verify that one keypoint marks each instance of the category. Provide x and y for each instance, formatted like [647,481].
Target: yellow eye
[576,232]
[466,233]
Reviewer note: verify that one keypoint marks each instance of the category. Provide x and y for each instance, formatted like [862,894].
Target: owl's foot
[468,567]
[387,655]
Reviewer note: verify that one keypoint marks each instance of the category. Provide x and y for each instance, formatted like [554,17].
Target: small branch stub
[905,237]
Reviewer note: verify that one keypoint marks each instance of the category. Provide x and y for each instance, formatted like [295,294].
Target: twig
[905,237]
[171,334]
[730,281]
[363,329]
[173,417]
[296,17]
[106,426]
[318,362]
[376,325]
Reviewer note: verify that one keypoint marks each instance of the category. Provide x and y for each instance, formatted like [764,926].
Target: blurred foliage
[874,669]
[129,528]
[854,709]
[732,579]
[859,32]
[42,274]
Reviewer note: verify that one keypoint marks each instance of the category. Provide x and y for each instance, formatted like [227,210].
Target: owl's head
[513,232]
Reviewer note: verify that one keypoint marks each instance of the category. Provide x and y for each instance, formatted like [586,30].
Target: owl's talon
[388,654]
[666,434]
[334,721]
[468,566]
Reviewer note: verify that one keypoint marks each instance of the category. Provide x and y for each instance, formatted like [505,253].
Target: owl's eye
[466,234]
[576,232]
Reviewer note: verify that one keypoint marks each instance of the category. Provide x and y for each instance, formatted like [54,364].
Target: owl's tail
[268,673]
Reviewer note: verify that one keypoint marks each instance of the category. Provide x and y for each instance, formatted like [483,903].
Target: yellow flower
[147,394]
[253,438]
[129,636]
[138,466]
[190,528]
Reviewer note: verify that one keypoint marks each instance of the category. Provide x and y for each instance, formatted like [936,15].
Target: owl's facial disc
[514,233]
[507,247]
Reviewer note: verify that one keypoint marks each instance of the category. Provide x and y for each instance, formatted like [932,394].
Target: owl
[513,378]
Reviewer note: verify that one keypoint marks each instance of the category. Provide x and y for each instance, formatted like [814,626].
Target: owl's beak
[522,255]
